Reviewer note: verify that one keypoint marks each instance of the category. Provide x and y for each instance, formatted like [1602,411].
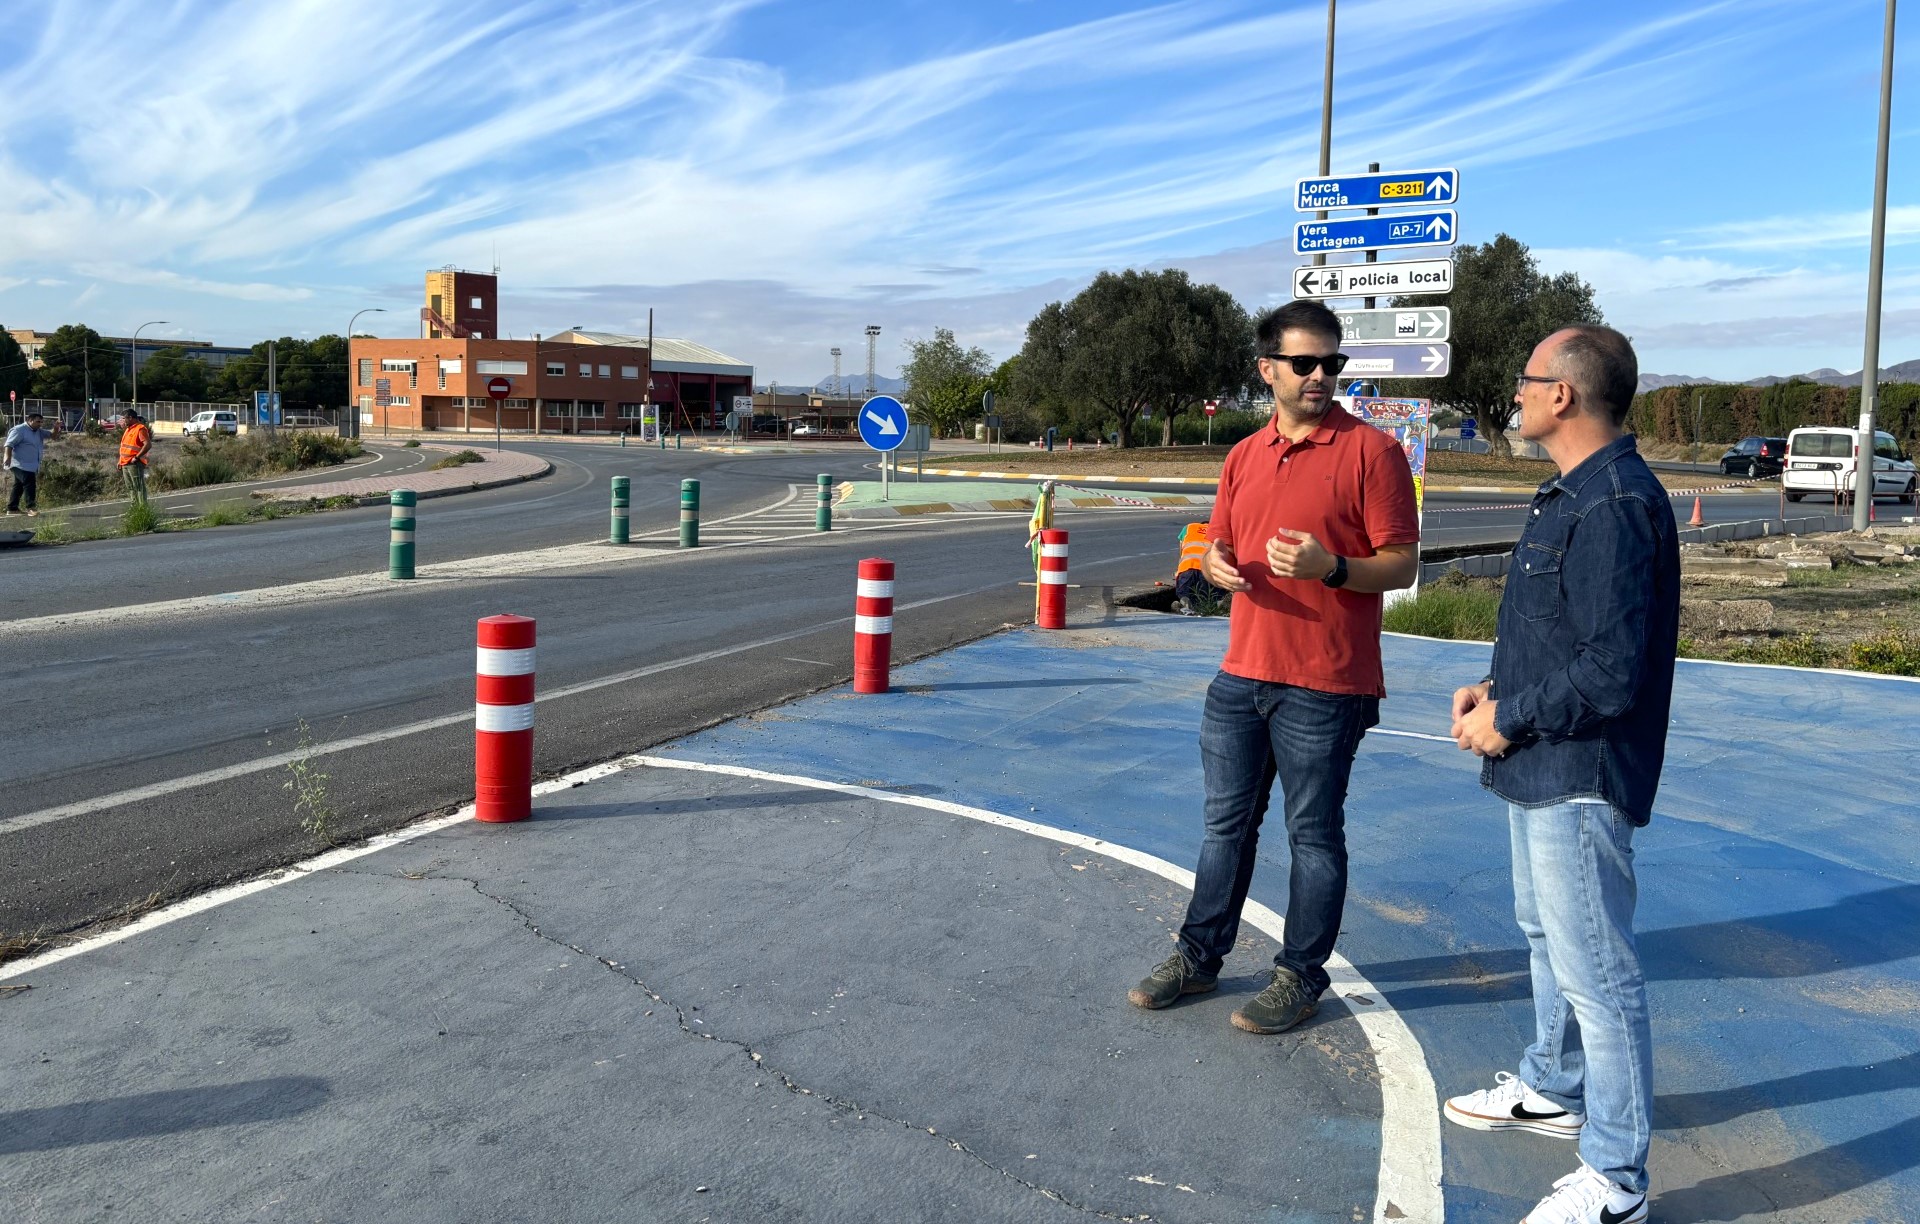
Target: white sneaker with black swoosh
[1511,1105]
[1585,1196]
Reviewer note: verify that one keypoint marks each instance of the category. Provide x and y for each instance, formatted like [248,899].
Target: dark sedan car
[1755,457]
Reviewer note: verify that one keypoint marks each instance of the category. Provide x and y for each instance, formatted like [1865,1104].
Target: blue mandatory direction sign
[1399,189]
[1384,233]
[883,423]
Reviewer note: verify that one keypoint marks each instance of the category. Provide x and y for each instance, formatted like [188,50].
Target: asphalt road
[109,716]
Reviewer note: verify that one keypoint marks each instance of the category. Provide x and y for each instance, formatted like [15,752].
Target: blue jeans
[1252,732]
[1573,893]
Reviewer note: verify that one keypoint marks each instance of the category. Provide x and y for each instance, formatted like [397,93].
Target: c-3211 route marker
[1383,233]
[1374,280]
[1397,189]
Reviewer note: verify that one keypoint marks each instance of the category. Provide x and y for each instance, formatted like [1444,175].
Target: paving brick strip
[495,468]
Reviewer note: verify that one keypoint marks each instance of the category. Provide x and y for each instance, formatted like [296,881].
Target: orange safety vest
[137,437]
[1193,548]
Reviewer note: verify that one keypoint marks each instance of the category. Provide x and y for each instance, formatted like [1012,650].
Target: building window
[556,369]
[635,412]
[499,367]
[586,371]
[443,376]
[606,371]
[366,372]
[590,408]
[629,371]
[401,401]
[516,403]
[449,365]
[396,365]
[366,403]
[473,304]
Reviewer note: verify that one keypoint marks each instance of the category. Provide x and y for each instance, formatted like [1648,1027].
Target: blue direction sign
[1401,360]
[883,423]
[1468,427]
[1392,190]
[1386,233]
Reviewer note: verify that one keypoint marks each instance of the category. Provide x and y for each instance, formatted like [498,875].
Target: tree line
[311,374]
[1135,354]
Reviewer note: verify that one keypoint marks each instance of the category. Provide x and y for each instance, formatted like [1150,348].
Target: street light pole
[163,322]
[1876,261]
[1326,122]
[353,408]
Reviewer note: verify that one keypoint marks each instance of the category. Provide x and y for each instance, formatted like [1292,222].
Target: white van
[212,422]
[1820,460]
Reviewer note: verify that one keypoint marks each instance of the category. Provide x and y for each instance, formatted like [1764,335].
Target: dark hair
[34,416]
[1306,316]
[1600,364]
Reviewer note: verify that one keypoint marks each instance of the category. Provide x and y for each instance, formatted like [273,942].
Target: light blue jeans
[1573,893]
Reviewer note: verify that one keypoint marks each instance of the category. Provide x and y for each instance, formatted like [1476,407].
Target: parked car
[801,431]
[305,420]
[1821,459]
[212,422]
[1754,458]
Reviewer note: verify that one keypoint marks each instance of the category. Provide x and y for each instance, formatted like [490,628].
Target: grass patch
[1891,652]
[139,519]
[1454,607]
[307,783]
[411,443]
[458,459]
[57,530]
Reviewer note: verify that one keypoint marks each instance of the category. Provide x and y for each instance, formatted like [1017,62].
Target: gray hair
[1600,364]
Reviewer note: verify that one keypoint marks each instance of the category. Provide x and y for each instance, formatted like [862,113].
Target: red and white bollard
[503,720]
[1050,611]
[873,626]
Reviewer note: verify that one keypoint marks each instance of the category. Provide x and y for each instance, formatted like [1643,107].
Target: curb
[381,498]
[1178,480]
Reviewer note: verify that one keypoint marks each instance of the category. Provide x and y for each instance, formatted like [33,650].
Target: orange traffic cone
[1696,520]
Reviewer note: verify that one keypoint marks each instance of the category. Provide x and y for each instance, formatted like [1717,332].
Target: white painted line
[1819,671]
[154,790]
[1419,735]
[1409,1181]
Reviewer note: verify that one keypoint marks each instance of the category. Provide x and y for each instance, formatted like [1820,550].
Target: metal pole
[273,381]
[161,322]
[1876,261]
[1372,256]
[1326,122]
[352,373]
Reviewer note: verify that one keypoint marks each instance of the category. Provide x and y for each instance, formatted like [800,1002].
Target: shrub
[458,459]
[1450,608]
[196,469]
[139,518]
[1895,652]
[65,483]
[411,442]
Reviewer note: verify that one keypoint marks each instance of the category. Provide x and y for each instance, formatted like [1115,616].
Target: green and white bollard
[689,514]
[676,441]
[400,534]
[621,484]
[823,511]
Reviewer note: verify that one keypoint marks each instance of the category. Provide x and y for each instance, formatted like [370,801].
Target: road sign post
[1369,280]
[498,389]
[883,426]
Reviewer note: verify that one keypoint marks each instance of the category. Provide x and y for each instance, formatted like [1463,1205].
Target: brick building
[574,382]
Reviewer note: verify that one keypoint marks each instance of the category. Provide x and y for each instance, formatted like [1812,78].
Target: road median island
[491,470]
[857,499]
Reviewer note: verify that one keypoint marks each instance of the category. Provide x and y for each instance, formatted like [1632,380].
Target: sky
[769,178]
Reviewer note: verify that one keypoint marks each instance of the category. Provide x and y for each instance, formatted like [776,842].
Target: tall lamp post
[353,409]
[136,357]
[1876,260]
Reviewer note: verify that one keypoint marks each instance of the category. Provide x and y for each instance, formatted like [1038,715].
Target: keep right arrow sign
[1400,360]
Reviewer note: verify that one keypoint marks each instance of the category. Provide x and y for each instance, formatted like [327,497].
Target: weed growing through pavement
[308,785]
[457,459]
[139,519]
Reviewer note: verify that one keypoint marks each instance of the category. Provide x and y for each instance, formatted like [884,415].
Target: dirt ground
[1866,595]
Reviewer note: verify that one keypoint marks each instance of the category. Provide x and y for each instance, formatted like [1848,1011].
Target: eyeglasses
[1520,383]
[1332,363]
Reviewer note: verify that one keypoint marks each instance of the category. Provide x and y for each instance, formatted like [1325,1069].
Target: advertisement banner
[1409,422]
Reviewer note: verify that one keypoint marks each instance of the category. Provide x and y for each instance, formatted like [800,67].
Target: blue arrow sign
[1386,233]
[883,423]
[1398,189]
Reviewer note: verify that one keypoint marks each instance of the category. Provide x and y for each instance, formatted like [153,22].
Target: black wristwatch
[1338,578]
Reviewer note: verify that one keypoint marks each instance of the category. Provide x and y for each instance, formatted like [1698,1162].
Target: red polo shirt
[1348,485]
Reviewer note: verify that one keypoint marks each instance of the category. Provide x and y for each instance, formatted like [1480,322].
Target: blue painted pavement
[1779,910]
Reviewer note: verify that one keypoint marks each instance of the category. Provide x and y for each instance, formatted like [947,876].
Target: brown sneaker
[1170,979]
[1283,1004]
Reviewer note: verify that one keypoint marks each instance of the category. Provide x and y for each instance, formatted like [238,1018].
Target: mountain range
[1906,371]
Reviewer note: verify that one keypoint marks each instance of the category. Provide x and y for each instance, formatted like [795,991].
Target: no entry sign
[499,388]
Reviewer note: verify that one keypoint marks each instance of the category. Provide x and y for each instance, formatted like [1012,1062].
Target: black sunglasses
[1332,363]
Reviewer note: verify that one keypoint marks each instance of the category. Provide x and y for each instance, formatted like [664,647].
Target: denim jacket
[1583,656]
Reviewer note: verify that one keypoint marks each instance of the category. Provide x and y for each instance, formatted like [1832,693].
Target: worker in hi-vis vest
[1190,586]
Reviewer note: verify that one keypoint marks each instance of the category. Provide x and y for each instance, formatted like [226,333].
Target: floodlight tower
[873,339]
[836,372]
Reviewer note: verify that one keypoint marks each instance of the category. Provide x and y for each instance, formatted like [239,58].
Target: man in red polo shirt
[1315,518]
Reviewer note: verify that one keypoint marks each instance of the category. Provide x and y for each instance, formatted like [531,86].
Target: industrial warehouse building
[576,381]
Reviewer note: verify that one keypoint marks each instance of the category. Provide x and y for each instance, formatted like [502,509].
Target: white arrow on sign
[1442,188]
[1433,358]
[1438,228]
[1432,323]
[884,424]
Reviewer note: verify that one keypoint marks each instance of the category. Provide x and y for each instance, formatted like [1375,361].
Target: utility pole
[273,383]
[1876,261]
[873,339]
[1372,256]
[1326,122]
[1698,396]
[835,350]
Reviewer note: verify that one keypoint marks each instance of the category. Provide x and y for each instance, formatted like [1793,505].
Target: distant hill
[1906,371]
[856,384]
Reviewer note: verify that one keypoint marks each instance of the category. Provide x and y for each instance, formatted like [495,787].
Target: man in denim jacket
[1572,726]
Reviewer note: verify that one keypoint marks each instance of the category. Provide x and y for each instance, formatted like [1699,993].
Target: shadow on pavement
[159,1113]
[1800,1182]
[1057,682]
